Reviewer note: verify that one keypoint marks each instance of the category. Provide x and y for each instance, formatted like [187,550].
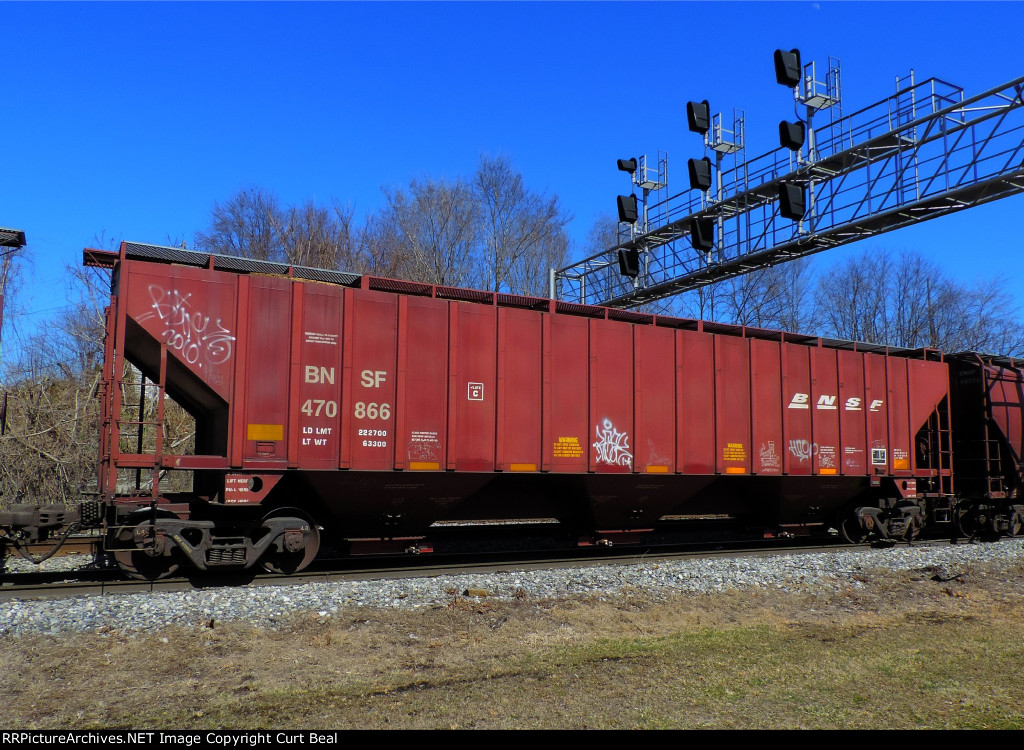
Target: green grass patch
[903,654]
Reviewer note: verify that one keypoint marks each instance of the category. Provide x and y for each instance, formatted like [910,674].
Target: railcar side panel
[854,455]
[566,393]
[899,416]
[421,412]
[825,411]
[1004,390]
[796,392]
[766,400]
[266,403]
[236,431]
[655,395]
[876,397]
[520,354]
[371,340]
[612,437]
[695,402]
[319,370]
[732,408]
[472,387]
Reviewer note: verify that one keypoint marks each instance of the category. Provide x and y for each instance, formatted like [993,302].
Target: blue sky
[129,120]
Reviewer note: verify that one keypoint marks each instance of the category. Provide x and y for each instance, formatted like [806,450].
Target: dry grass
[905,651]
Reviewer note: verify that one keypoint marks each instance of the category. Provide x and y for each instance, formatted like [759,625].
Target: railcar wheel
[298,548]
[968,522]
[851,530]
[140,551]
[1015,525]
[913,530]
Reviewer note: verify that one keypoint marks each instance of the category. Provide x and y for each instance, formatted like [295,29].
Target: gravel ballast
[274,606]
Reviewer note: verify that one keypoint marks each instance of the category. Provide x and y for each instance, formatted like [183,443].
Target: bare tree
[11,264]
[434,226]
[775,297]
[990,321]
[701,303]
[851,300]
[751,299]
[602,235]
[248,224]
[523,232]
[312,235]
[254,224]
[795,282]
[908,301]
[49,450]
[381,250]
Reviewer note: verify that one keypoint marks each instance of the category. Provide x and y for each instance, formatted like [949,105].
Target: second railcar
[988,430]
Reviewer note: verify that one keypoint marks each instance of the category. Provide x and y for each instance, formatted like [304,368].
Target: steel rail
[10,589]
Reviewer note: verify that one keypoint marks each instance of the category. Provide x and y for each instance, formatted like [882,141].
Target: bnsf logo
[828,403]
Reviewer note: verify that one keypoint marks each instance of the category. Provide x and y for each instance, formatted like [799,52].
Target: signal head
[787,67]
[698,116]
[627,208]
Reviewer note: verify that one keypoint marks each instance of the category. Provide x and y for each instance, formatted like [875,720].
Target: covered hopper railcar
[370,410]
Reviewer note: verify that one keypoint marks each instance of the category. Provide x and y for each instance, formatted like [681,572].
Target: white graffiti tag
[769,458]
[803,449]
[200,339]
[612,446]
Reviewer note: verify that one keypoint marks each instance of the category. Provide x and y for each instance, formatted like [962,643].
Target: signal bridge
[924,152]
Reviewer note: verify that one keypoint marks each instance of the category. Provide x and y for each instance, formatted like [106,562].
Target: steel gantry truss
[12,238]
[924,152]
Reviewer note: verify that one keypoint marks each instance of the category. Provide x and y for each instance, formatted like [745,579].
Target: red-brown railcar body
[988,421]
[378,408]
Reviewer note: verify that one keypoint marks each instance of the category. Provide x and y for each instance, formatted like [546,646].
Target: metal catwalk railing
[924,152]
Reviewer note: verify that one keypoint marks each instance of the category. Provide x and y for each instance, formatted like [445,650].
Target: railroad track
[74,545]
[109,580]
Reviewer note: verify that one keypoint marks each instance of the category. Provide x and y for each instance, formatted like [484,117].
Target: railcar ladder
[137,426]
[945,449]
[143,434]
[935,452]
[993,458]
[994,453]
